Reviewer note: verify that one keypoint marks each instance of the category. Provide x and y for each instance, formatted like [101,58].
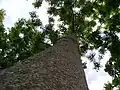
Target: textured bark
[56,68]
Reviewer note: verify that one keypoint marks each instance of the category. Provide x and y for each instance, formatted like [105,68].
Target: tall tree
[56,68]
[96,23]
[50,69]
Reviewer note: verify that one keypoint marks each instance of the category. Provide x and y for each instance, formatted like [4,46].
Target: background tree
[21,41]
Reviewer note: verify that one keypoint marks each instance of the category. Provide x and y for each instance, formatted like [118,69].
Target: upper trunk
[56,68]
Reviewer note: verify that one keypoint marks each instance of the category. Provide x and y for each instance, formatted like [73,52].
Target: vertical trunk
[57,68]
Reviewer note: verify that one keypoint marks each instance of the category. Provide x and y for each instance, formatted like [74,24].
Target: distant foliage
[22,40]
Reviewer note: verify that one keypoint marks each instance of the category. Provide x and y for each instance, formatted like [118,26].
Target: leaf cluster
[23,40]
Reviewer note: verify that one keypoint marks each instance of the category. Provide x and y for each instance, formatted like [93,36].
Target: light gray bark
[56,68]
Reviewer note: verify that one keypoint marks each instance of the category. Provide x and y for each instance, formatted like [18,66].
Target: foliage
[2,14]
[108,86]
[22,40]
[96,23]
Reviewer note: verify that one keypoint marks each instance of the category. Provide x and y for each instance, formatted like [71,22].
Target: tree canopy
[96,24]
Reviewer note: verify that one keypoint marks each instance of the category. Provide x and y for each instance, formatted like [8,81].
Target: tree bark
[56,68]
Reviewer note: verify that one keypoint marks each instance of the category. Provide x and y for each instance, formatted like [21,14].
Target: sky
[20,9]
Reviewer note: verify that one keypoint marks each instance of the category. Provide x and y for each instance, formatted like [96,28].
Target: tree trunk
[56,68]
